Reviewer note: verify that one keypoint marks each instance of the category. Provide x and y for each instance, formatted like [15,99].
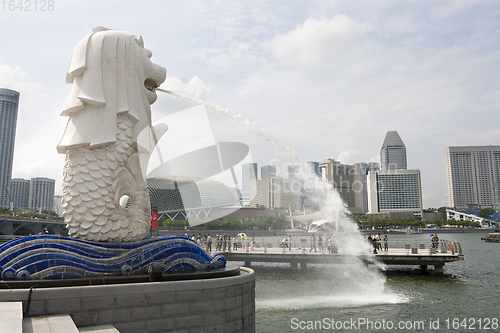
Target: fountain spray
[246,123]
[354,278]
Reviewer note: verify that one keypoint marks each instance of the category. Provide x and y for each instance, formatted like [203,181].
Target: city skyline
[327,79]
[473,176]
[9,104]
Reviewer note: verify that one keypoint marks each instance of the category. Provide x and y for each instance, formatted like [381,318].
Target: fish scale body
[90,182]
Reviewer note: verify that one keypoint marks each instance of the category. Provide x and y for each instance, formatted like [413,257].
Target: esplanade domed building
[187,198]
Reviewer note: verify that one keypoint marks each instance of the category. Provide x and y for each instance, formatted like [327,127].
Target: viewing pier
[407,254]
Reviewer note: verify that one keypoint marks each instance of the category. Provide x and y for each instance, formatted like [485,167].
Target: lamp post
[7,191]
[39,206]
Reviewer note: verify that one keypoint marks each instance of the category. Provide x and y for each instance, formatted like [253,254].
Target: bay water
[324,298]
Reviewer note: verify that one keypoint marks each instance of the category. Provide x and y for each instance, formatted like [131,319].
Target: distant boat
[492,238]
[394,231]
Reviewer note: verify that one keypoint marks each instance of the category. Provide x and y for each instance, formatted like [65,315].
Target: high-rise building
[473,176]
[348,181]
[20,190]
[393,152]
[248,179]
[394,188]
[41,195]
[363,169]
[395,191]
[268,171]
[294,171]
[277,192]
[9,103]
[314,166]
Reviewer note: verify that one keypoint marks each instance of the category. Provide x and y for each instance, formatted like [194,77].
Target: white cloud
[168,104]
[316,42]
[328,78]
[443,10]
[34,154]
[349,157]
[194,87]
[484,137]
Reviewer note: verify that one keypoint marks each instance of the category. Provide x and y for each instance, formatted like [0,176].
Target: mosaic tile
[56,257]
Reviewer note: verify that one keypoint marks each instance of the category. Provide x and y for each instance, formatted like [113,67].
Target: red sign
[154,221]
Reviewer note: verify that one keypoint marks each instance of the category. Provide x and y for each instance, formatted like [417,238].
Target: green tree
[486,212]
[442,213]
[179,224]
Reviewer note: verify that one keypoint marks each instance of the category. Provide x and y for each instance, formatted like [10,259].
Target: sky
[326,78]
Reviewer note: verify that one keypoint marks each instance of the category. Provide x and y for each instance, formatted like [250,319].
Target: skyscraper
[315,168]
[20,193]
[348,181]
[249,174]
[363,169]
[395,191]
[394,188]
[248,179]
[277,192]
[473,174]
[393,152]
[41,195]
[268,171]
[9,103]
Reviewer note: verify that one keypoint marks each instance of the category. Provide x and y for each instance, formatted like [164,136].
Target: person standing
[290,243]
[374,243]
[209,243]
[435,241]
[386,243]
[217,243]
[313,243]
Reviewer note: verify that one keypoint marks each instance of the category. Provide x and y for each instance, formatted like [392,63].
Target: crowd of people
[377,241]
[434,241]
[325,243]
[226,242]
[223,242]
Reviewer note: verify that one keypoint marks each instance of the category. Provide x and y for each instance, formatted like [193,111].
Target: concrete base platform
[221,304]
[49,324]
[11,318]
[99,329]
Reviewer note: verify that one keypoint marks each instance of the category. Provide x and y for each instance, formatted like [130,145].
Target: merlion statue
[109,137]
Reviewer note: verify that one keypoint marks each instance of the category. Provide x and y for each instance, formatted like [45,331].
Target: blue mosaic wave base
[56,257]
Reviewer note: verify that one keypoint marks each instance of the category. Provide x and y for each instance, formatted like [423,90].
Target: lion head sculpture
[112,74]
[108,137]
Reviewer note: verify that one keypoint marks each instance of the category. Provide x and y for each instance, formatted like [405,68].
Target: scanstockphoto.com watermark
[364,324]
[296,178]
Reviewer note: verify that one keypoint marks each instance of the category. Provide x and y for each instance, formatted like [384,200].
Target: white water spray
[246,123]
[354,280]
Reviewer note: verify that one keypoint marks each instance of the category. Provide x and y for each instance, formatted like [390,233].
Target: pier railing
[300,253]
[303,245]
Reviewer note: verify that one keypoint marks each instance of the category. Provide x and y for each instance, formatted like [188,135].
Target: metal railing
[410,247]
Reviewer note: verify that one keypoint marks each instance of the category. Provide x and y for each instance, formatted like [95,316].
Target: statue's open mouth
[150,84]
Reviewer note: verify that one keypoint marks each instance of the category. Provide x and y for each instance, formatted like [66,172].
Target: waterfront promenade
[404,254]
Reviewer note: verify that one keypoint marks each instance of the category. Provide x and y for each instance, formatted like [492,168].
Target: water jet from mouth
[354,279]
